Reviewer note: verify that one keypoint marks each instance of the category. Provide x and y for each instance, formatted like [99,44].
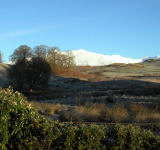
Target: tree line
[32,67]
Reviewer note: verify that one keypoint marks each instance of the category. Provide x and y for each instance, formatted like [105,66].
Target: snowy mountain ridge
[83,58]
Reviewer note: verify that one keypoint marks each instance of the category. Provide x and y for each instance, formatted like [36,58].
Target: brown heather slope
[79,73]
[65,72]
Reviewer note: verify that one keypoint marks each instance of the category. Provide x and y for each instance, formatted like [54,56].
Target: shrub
[21,127]
[130,137]
[28,74]
[17,74]
[38,72]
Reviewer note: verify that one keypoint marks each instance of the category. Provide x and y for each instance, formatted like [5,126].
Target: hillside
[148,70]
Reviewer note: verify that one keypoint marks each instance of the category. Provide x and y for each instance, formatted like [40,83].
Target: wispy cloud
[53,25]
[16,33]
[26,31]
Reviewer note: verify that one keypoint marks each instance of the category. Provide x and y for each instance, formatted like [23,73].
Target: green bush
[130,137]
[21,127]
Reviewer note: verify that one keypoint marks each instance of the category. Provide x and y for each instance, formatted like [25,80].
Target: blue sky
[130,28]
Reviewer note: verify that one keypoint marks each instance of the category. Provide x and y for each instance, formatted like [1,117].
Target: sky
[130,28]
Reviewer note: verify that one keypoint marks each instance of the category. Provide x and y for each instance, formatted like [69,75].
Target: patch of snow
[83,58]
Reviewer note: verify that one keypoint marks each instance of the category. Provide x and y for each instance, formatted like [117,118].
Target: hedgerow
[21,127]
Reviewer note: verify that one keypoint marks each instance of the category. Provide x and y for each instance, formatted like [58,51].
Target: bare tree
[53,58]
[70,59]
[40,51]
[57,59]
[23,52]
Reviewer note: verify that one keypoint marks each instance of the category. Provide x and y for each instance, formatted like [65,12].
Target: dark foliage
[38,72]
[28,74]
[17,74]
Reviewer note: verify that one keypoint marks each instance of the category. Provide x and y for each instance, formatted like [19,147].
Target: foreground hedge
[21,127]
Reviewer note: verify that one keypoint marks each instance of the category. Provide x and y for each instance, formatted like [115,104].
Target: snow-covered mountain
[83,58]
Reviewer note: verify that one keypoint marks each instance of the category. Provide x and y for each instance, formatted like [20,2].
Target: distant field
[146,71]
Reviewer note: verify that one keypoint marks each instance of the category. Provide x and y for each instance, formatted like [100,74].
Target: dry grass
[116,113]
[48,108]
[100,112]
[97,112]
[142,113]
[89,112]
